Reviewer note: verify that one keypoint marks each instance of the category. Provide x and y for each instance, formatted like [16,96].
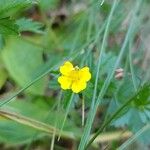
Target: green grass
[103,35]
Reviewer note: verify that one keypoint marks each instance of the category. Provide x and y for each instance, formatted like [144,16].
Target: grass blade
[89,121]
[110,76]
[34,124]
[66,114]
[134,137]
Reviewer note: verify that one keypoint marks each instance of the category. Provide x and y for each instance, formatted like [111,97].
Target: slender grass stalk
[118,88]
[90,24]
[92,42]
[45,119]
[83,113]
[131,65]
[70,57]
[53,140]
[115,135]
[26,87]
[40,126]
[108,80]
[55,67]
[66,114]
[134,137]
[34,124]
[56,121]
[89,121]
[109,121]
[77,36]
[102,2]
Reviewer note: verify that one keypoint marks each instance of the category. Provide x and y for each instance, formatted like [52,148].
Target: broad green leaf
[29,25]
[142,100]
[8,27]
[125,90]
[37,110]
[137,109]
[2,42]
[11,7]
[13,133]
[3,76]
[8,115]
[22,59]
[40,111]
[136,114]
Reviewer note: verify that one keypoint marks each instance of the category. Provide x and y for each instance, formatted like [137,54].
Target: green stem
[90,119]
[41,126]
[131,65]
[26,87]
[134,137]
[108,121]
[56,121]
[66,114]
[83,113]
[106,84]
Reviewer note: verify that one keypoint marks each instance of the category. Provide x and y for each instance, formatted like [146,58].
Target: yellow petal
[85,74]
[65,82]
[66,68]
[78,86]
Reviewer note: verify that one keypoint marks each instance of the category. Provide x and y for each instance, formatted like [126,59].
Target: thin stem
[90,117]
[53,140]
[83,113]
[106,84]
[109,121]
[56,120]
[66,114]
[41,126]
[7,100]
[26,87]
[131,66]
[130,140]
[102,2]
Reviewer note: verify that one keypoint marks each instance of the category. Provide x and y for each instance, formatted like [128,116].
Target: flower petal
[78,86]
[65,82]
[85,74]
[66,68]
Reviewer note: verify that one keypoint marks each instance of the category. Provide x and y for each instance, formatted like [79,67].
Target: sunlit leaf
[8,27]
[29,25]
[22,60]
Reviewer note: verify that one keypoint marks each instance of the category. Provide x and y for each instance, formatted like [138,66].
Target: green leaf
[3,77]
[135,138]
[8,27]
[143,98]
[14,133]
[3,74]
[46,113]
[53,84]
[9,7]
[31,110]
[48,4]
[125,90]
[2,42]
[29,25]
[137,109]
[23,60]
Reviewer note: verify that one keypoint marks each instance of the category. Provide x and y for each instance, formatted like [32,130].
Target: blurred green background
[36,37]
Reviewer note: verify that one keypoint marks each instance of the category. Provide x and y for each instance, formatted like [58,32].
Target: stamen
[77,68]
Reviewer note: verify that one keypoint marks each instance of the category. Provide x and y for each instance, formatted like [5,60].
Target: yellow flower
[73,77]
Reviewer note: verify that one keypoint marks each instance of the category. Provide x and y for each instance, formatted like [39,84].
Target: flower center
[74,74]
